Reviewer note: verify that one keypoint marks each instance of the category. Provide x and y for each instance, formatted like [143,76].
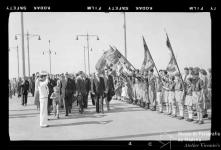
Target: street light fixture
[28,38]
[49,52]
[17,56]
[87,37]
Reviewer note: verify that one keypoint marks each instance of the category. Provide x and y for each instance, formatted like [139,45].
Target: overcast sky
[189,34]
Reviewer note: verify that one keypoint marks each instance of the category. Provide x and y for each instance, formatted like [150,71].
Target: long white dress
[124,91]
[43,95]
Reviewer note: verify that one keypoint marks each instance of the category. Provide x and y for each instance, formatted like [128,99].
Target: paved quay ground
[123,122]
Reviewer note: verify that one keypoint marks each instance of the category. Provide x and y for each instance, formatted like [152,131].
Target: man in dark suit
[69,90]
[51,85]
[87,86]
[92,84]
[110,88]
[24,91]
[98,90]
[80,91]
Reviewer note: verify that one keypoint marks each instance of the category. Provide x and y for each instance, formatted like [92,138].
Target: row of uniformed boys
[193,93]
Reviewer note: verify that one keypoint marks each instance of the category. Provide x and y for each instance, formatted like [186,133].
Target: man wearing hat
[197,92]
[179,91]
[43,96]
[24,89]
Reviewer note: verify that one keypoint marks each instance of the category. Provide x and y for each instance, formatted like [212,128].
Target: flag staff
[170,47]
[152,59]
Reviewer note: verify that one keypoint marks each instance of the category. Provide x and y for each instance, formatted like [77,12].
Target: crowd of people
[55,92]
[171,94]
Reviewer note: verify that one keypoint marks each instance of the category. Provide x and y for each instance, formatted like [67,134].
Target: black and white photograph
[109,76]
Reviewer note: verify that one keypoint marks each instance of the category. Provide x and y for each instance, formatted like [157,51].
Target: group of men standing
[171,93]
[21,86]
[77,88]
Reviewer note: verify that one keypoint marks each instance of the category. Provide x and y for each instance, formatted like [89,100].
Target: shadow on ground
[81,123]
[147,134]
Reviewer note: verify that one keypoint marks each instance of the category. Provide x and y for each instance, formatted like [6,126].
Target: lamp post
[125,35]
[87,38]
[28,38]
[84,60]
[17,57]
[49,52]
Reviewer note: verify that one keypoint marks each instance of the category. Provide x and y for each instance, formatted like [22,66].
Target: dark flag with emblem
[148,61]
[172,66]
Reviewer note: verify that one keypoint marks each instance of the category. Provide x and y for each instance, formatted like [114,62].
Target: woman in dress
[36,94]
[43,95]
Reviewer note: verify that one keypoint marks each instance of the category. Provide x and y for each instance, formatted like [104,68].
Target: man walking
[24,91]
[98,89]
[80,91]
[87,86]
[69,90]
[110,88]
[63,86]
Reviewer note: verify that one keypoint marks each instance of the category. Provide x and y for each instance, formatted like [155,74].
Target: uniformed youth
[159,91]
[171,97]
[203,76]
[189,98]
[209,89]
[166,90]
[179,95]
[197,92]
[152,90]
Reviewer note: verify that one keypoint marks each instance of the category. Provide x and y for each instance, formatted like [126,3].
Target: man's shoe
[45,126]
[168,113]
[205,115]
[189,120]
[173,116]
[197,121]
[201,122]
[180,118]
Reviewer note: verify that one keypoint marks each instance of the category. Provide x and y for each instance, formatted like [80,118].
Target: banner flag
[148,61]
[172,66]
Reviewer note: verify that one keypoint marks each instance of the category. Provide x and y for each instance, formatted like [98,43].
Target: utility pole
[23,48]
[84,61]
[17,57]
[87,38]
[49,53]
[28,38]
